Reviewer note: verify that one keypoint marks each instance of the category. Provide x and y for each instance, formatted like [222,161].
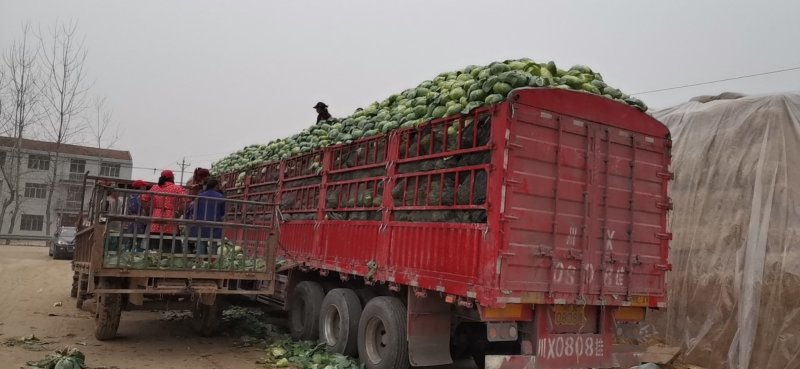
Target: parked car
[62,246]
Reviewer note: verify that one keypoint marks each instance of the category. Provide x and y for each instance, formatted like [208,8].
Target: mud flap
[428,330]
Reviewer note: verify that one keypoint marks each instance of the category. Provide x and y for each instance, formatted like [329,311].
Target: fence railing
[175,231]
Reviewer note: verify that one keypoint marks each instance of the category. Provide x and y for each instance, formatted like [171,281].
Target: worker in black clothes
[322,112]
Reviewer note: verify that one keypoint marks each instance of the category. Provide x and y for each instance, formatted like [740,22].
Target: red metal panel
[592,107]
[297,240]
[340,248]
[437,250]
[584,202]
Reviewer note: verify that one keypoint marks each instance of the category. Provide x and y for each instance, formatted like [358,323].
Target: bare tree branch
[4,116]
[104,132]
[65,93]
[23,92]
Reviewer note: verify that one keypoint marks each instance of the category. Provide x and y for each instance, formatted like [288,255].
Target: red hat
[201,173]
[167,174]
[138,184]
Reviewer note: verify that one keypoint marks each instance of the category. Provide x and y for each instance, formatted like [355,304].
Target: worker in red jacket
[165,207]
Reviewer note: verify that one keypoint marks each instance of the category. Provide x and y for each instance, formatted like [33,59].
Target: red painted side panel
[297,240]
[448,252]
[341,248]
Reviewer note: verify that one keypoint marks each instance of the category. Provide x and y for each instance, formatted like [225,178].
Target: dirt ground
[31,283]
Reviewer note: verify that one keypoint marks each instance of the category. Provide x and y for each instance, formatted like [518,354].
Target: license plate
[564,351]
[568,315]
[640,300]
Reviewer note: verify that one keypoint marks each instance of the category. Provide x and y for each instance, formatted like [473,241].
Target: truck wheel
[328,286]
[83,286]
[364,295]
[304,307]
[338,321]
[206,319]
[74,291]
[109,310]
[382,341]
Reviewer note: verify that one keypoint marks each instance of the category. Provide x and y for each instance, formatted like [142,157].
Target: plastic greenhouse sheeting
[734,290]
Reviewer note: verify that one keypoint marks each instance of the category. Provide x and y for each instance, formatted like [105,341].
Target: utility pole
[183,164]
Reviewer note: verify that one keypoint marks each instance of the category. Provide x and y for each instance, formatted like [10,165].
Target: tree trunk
[14,214]
[15,198]
[50,190]
[4,208]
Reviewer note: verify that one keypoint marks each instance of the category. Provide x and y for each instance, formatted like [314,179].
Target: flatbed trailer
[522,233]
[119,264]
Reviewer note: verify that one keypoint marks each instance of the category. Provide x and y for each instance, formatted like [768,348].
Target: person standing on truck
[136,228]
[112,205]
[163,234]
[322,112]
[198,181]
[195,186]
[209,207]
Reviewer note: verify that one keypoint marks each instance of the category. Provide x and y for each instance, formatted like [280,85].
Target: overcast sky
[201,79]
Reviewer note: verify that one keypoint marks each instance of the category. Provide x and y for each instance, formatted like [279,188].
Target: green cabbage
[449,93]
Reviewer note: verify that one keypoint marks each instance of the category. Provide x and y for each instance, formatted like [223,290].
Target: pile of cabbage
[66,358]
[229,257]
[447,94]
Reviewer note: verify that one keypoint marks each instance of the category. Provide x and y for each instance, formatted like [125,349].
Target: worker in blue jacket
[210,207]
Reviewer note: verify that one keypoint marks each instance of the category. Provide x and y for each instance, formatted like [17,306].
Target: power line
[183,164]
[718,80]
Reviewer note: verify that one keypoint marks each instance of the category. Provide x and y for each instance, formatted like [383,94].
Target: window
[74,197]
[109,170]
[31,222]
[2,158]
[76,168]
[75,193]
[38,162]
[35,190]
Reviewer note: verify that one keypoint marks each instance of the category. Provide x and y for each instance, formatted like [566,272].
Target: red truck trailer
[521,233]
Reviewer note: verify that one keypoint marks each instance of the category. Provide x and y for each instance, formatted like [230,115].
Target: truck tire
[304,306]
[328,286]
[365,294]
[107,316]
[206,319]
[382,339]
[74,291]
[338,321]
[80,294]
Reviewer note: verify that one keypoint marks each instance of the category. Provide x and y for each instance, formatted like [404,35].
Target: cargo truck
[521,233]
[135,254]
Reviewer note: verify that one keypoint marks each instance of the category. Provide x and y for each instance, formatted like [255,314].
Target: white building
[37,161]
